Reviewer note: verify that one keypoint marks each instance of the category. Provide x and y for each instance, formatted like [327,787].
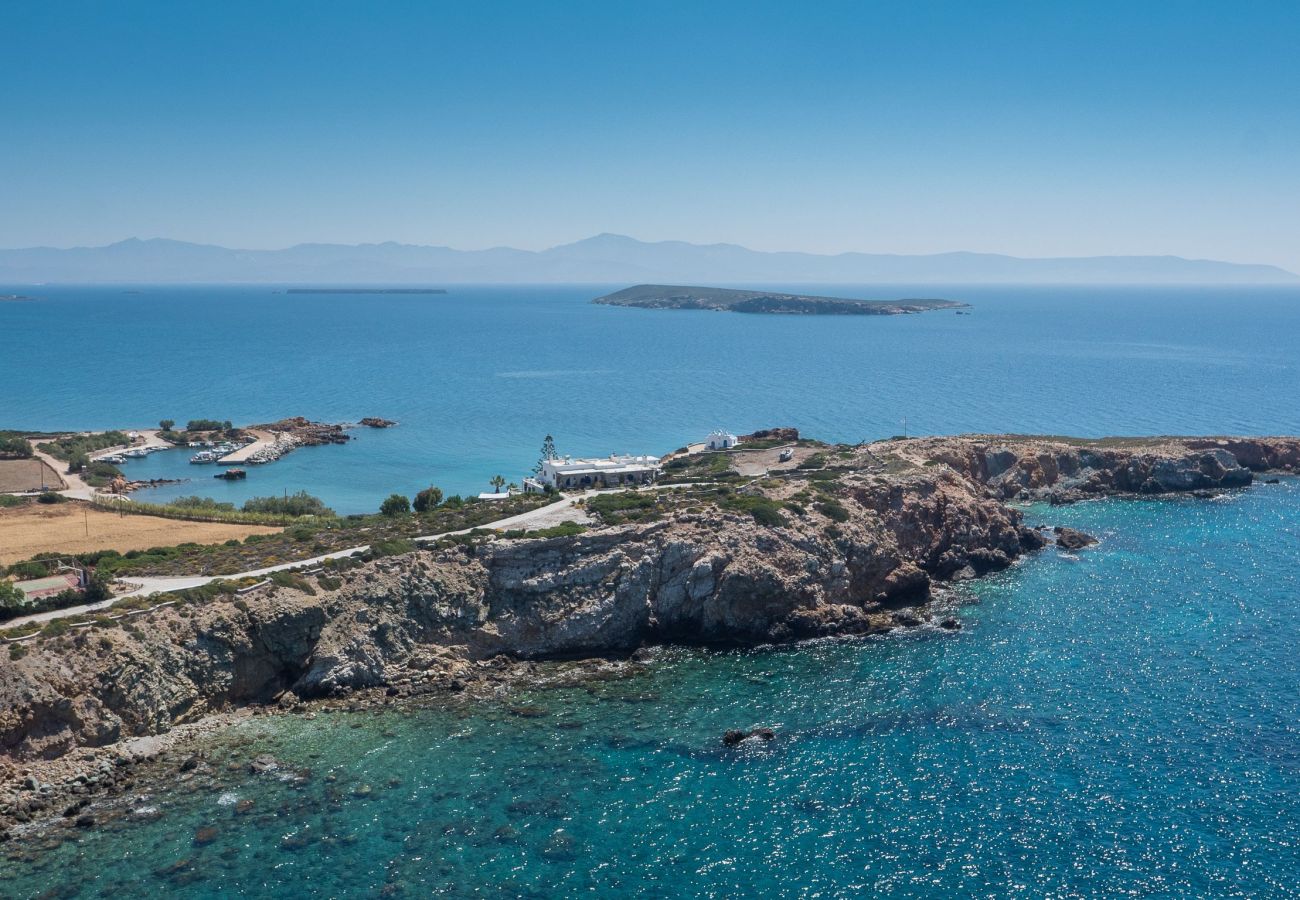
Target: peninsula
[776,540]
[674,296]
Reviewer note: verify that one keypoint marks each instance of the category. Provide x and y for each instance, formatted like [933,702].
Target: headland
[785,540]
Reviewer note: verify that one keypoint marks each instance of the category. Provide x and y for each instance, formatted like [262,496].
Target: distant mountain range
[604,259]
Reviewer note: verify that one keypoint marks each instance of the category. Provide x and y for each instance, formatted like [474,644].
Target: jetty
[269,446]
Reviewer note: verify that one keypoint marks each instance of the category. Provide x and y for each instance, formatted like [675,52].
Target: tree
[77,462]
[427,499]
[10,596]
[548,454]
[166,424]
[497,483]
[395,505]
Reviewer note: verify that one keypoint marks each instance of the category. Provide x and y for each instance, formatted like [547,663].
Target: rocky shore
[857,546]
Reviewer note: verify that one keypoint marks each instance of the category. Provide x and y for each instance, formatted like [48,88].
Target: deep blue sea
[1120,723]
[478,377]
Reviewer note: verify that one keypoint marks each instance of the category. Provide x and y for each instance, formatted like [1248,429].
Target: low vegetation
[14,446]
[303,537]
[70,446]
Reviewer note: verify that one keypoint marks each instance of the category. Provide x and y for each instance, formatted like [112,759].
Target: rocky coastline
[861,545]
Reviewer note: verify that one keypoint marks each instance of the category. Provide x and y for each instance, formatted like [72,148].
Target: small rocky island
[674,296]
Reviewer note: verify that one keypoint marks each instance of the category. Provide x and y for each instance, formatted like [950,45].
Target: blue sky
[1029,128]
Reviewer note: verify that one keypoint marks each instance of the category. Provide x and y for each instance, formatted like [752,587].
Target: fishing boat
[204,456]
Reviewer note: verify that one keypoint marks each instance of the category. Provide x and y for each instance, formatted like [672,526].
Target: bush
[196,503]
[65,448]
[395,505]
[32,568]
[299,504]
[206,425]
[98,474]
[833,510]
[427,499]
[765,511]
[10,596]
[816,461]
[393,547]
[627,506]
[51,497]
[564,529]
[54,628]
[166,424]
[14,446]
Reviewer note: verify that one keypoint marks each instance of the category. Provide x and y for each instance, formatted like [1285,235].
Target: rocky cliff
[854,547]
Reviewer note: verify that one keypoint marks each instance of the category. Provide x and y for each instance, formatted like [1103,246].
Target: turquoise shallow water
[1122,722]
[477,377]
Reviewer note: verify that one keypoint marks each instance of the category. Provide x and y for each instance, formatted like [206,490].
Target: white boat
[205,456]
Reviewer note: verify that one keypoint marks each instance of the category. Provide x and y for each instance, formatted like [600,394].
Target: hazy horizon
[601,259]
[1031,131]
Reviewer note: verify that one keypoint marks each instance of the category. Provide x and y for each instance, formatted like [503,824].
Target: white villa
[722,440]
[611,471]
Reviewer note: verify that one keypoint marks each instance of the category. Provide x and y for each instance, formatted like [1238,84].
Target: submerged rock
[735,736]
[263,763]
[1072,539]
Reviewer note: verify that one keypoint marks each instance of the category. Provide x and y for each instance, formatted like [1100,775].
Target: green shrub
[395,505]
[54,628]
[65,448]
[17,651]
[564,529]
[833,510]
[626,506]
[427,499]
[391,547]
[195,502]
[14,446]
[299,504]
[31,568]
[768,516]
[51,497]
[207,425]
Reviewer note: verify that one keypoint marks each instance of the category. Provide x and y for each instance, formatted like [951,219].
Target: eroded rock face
[700,577]
[1062,472]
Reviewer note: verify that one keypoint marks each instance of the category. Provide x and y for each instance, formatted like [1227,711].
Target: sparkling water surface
[477,377]
[1124,721]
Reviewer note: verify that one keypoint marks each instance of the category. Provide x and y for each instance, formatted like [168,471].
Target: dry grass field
[77,528]
[25,475]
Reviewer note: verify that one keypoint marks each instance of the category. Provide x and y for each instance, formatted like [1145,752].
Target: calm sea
[1120,723]
[1124,723]
[477,377]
